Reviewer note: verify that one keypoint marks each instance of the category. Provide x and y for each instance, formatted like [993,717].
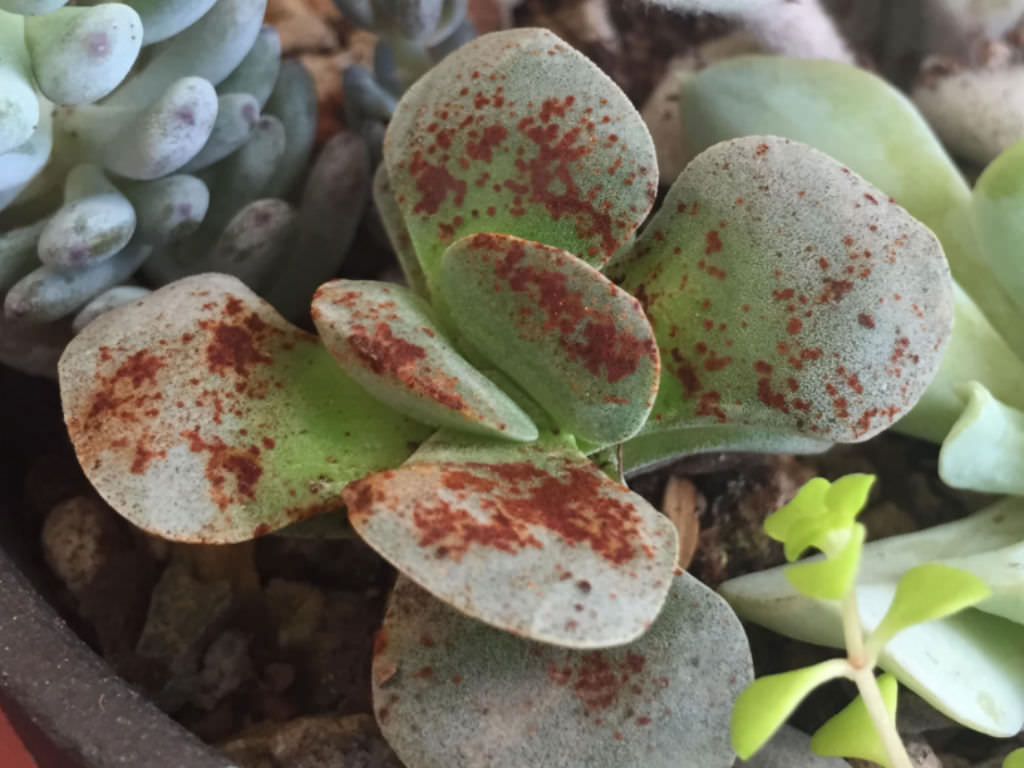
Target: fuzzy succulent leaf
[580,345]
[237,114]
[852,733]
[31,7]
[21,164]
[168,209]
[984,450]
[162,19]
[398,234]
[257,73]
[451,691]
[926,593]
[19,107]
[256,240]
[767,703]
[106,301]
[533,539]
[201,415]
[831,578]
[519,133]
[294,102]
[385,337]
[81,54]
[18,253]
[828,327]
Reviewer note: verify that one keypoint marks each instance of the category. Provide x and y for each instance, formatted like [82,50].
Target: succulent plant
[179,165]
[457,420]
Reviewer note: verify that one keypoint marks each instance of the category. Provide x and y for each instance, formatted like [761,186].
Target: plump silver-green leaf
[162,19]
[517,132]
[581,346]
[450,691]
[237,114]
[18,253]
[385,337]
[23,162]
[81,54]
[258,71]
[19,107]
[533,539]
[201,415]
[789,295]
[968,666]
[255,241]
[106,301]
[293,101]
[168,209]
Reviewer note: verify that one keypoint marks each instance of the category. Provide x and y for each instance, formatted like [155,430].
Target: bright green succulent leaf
[200,414]
[533,539]
[831,578]
[768,702]
[807,505]
[852,732]
[581,346]
[827,530]
[834,107]
[984,451]
[451,691]
[384,336]
[976,352]
[998,200]
[398,234]
[829,327]
[926,593]
[517,132]
[968,666]
[1015,759]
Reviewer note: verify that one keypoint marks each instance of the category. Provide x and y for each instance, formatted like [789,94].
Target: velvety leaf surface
[517,132]
[532,539]
[385,338]
[202,415]
[398,234]
[581,346]
[450,691]
[969,665]
[787,293]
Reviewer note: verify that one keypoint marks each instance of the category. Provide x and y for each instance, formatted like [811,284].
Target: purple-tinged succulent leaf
[384,336]
[258,71]
[788,295]
[448,690]
[580,346]
[106,301]
[82,54]
[202,415]
[293,101]
[162,19]
[254,241]
[168,209]
[532,539]
[517,132]
[237,114]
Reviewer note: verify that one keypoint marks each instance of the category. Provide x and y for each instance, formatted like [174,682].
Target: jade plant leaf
[533,539]
[519,133]
[200,414]
[768,702]
[452,691]
[787,296]
[581,346]
[925,593]
[384,336]
[969,665]
[984,451]
[851,732]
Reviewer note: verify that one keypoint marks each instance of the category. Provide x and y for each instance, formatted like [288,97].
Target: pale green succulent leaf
[852,733]
[831,578]
[516,132]
[984,451]
[532,539]
[768,702]
[829,327]
[928,592]
[580,345]
[450,691]
[998,199]
[398,234]
[201,415]
[384,336]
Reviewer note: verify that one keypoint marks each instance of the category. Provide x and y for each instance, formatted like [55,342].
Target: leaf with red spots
[517,132]
[398,234]
[758,274]
[519,535]
[451,691]
[200,414]
[581,346]
[385,338]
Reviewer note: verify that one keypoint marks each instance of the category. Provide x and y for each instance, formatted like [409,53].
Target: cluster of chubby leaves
[823,516]
[458,419]
[974,406]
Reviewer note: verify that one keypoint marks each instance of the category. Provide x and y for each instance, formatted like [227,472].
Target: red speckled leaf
[200,414]
[788,296]
[581,346]
[384,337]
[533,539]
[450,691]
[517,132]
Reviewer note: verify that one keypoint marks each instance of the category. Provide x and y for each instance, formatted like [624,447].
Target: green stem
[870,693]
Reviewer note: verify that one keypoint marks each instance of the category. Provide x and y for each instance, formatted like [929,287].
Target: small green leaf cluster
[454,418]
[822,516]
[162,136]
